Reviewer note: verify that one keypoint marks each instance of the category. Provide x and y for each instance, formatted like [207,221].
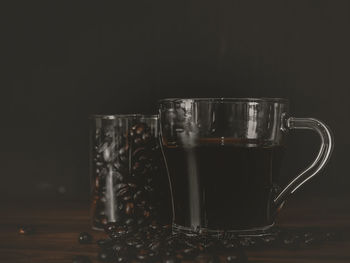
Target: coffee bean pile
[156,243]
[130,182]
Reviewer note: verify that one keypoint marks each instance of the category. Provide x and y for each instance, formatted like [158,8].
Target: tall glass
[223,158]
[129,185]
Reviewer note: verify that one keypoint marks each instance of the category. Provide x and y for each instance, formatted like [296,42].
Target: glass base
[222,234]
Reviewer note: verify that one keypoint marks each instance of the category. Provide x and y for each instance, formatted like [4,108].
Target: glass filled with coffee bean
[223,157]
[129,184]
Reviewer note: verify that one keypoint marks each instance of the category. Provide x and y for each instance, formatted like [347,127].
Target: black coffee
[222,185]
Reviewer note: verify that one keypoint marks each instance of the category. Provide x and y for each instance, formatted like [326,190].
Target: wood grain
[59,223]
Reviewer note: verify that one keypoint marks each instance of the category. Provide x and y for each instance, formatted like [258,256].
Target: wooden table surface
[58,224]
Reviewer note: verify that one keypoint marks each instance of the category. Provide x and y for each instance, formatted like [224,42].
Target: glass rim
[123,116]
[223,100]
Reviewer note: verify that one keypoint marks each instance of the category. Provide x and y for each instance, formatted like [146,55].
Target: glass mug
[223,157]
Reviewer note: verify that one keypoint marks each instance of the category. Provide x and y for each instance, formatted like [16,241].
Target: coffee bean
[154,225]
[97,182]
[137,167]
[98,164]
[129,208]
[170,259]
[187,254]
[140,245]
[146,137]
[149,188]
[149,180]
[144,159]
[129,221]
[119,177]
[123,153]
[291,240]
[142,255]
[103,198]
[237,256]
[122,259]
[140,128]
[124,192]
[104,243]
[132,241]
[269,240]
[137,140]
[120,167]
[139,151]
[138,195]
[110,227]
[155,246]
[140,221]
[118,248]
[120,186]
[146,214]
[127,198]
[105,256]
[120,231]
[81,259]
[108,154]
[103,220]
[25,230]
[103,147]
[85,238]
[132,185]
[120,207]
[142,203]
[331,236]
[247,241]
[311,239]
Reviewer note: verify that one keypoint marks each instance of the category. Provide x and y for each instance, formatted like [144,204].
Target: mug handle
[327,143]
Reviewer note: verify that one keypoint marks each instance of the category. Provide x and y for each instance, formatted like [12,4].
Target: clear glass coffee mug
[223,158]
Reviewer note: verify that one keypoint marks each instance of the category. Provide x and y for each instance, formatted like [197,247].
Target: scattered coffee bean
[105,256]
[110,228]
[122,259]
[85,238]
[331,236]
[118,247]
[119,232]
[25,230]
[291,241]
[155,245]
[187,254]
[129,222]
[104,243]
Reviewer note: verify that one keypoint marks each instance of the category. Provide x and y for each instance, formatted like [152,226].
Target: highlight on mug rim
[224,100]
[123,116]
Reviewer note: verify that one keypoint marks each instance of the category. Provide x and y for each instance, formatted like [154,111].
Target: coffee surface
[222,185]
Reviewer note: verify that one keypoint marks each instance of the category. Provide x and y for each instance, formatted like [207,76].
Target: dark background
[64,60]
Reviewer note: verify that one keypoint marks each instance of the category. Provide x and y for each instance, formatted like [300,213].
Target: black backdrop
[66,59]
